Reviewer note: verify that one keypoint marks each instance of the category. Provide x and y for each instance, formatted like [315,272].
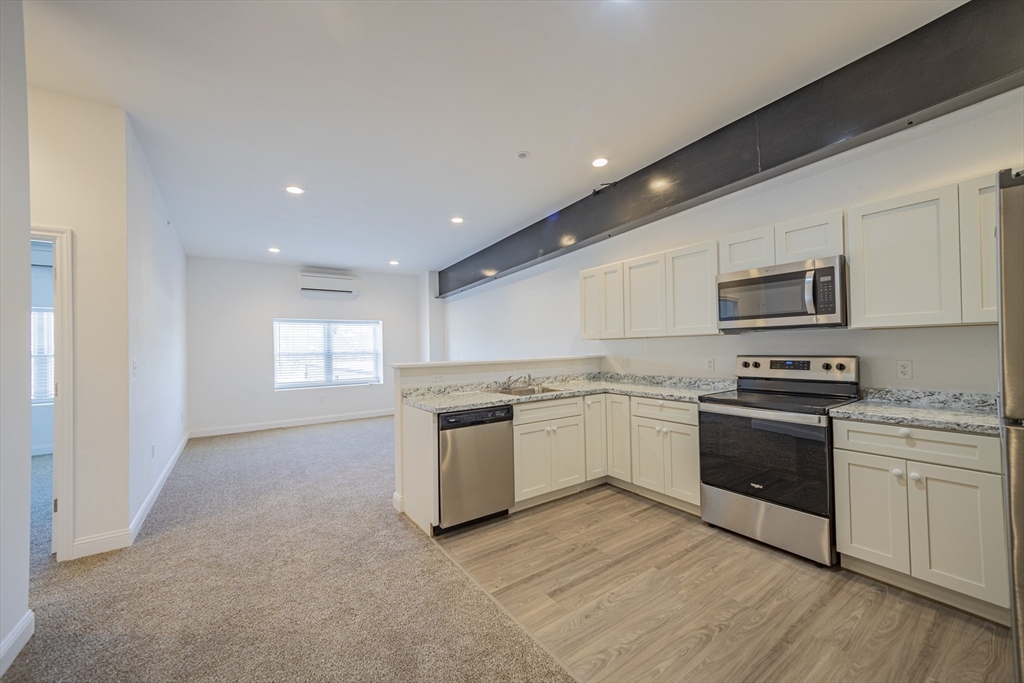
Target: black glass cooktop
[766,400]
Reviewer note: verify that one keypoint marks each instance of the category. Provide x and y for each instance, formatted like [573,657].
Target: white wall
[158,386]
[16,621]
[231,308]
[432,325]
[42,297]
[536,312]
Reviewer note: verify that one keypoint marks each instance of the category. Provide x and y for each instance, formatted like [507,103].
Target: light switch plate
[904,369]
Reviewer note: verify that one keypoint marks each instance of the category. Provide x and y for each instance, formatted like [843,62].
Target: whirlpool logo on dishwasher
[756,486]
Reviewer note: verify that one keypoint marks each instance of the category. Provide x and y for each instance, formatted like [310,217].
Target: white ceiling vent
[331,282]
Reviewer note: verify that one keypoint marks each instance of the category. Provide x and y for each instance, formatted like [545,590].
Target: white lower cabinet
[666,458]
[871,509]
[618,443]
[648,454]
[548,456]
[940,524]
[957,531]
[595,420]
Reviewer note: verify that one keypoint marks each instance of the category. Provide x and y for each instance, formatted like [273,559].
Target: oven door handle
[759,414]
[809,292]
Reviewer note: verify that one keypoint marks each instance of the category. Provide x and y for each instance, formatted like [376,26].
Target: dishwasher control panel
[468,418]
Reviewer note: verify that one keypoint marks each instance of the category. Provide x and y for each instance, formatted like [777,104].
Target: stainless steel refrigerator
[1011,387]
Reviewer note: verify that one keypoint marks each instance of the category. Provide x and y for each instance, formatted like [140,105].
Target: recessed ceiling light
[273,250]
[294,189]
[523,155]
[393,263]
[600,162]
[456,220]
[489,272]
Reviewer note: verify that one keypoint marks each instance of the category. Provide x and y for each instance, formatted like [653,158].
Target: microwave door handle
[809,292]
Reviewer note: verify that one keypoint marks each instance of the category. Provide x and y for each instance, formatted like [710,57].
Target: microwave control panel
[825,286]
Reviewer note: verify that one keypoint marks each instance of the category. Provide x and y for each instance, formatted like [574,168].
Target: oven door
[783,458]
[808,293]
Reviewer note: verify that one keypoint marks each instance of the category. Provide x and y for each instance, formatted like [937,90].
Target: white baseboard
[147,505]
[397,501]
[101,543]
[11,645]
[45,449]
[296,422]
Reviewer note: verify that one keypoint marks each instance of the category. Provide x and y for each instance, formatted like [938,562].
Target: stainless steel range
[766,451]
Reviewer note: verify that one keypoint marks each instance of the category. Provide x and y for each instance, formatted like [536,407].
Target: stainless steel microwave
[803,294]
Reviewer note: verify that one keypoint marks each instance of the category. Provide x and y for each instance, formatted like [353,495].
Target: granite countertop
[952,411]
[448,398]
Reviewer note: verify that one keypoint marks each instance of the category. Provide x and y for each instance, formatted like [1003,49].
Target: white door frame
[64,385]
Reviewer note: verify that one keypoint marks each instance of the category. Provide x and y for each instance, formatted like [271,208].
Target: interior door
[648,454]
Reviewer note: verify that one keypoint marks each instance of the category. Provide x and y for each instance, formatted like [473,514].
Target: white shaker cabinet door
[612,321]
[648,454]
[691,294]
[979,218]
[620,458]
[532,459]
[811,237]
[644,290]
[871,509]
[682,461]
[591,303]
[904,260]
[957,531]
[595,420]
[745,250]
[568,452]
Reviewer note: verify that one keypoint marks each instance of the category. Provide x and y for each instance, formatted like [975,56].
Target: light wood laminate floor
[621,588]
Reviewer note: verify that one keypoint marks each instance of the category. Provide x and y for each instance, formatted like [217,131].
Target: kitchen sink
[528,391]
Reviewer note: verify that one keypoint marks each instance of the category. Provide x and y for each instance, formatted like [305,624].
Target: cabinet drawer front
[542,411]
[970,451]
[957,531]
[670,411]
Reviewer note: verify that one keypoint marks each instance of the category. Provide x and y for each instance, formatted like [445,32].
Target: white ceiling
[396,116]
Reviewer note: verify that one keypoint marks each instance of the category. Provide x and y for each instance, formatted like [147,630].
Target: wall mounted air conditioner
[327,281]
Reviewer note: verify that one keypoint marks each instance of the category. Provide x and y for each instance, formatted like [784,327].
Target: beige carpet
[275,556]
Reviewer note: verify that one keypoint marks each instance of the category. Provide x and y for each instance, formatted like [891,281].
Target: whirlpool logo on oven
[756,486]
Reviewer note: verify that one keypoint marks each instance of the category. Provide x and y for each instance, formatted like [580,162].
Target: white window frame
[329,356]
[48,399]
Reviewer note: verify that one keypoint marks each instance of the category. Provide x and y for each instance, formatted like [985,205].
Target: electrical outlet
[709,364]
[572,368]
[625,362]
[437,378]
[904,369]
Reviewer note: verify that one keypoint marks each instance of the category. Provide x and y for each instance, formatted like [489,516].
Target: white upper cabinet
[691,297]
[601,313]
[809,238]
[746,250]
[644,296]
[978,220]
[904,260]
[590,303]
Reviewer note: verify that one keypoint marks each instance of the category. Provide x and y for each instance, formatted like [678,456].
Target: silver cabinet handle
[914,476]
[904,432]
[897,473]
[809,292]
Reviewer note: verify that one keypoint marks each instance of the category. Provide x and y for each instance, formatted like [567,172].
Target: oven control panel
[823,368]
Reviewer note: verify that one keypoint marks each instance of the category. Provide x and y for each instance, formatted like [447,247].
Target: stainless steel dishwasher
[476,470]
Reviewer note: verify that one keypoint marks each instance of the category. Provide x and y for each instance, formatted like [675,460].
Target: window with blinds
[325,353]
[42,355]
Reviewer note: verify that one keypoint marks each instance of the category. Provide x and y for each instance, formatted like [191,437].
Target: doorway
[51,394]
